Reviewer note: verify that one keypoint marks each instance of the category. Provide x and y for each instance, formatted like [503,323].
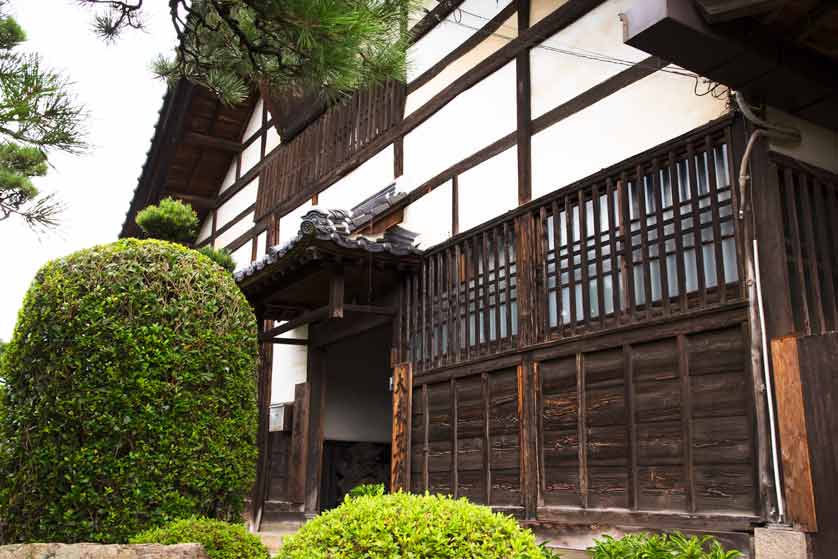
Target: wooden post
[336,293]
[316,375]
[299,443]
[402,406]
[794,439]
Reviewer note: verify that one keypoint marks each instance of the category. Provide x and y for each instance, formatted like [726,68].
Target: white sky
[122,96]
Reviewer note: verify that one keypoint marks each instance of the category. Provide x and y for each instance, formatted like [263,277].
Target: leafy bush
[221,540]
[170,220]
[220,256]
[130,395]
[660,546]
[367,490]
[406,525]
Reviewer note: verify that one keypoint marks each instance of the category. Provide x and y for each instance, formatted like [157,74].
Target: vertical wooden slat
[610,209]
[696,224]
[629,294]
[487,443]
[541,303]
[487,309]
[557,264]
[441,313]
[455,482]
[451,287]
[299,443]
[677,222]
[686,419]
[663,273]
[710,158]
[508,243]
[467,295]
[816,306]
[571,273]
[426,339]
[458,303]
[791,208]
[826,250]
[582,429]
[426,449]
[496,242]
[583,258]
[628,388]
[640,185]
[455,205]
[478,311]
[600,288]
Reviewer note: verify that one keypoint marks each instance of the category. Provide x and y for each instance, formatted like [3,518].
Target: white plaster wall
[507,32]
[638,117]
[229,178]
[448,35]
[541,8]
[206,229]
[560,76]
[271,139]
[255,121]
[242,256]
[818,146]
[235,231]
[289,225]
[261,242]
[473,120]
[489,189]
[289,366]
[430,216]
[238,203]
[375,174]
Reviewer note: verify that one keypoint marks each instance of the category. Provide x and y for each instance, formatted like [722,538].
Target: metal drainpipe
[764,129]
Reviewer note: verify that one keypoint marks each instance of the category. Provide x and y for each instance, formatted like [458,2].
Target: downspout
[768,130]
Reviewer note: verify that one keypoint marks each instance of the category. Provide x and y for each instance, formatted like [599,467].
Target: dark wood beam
[212,142]
[336,289]
[287,341]
[305,318]
[193,200]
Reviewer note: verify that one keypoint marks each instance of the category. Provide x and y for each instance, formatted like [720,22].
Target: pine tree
[37,114]
[325,46]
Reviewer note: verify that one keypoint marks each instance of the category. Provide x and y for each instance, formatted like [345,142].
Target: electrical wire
[580,53]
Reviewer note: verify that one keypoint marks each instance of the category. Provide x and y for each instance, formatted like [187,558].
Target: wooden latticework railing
[653,238]
[810,211]
[294,172]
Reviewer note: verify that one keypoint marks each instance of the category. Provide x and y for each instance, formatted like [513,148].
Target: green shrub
[170,220]
[660,546]
[406,525]
[130,395]
[221,540]
[220,256]
[367,490]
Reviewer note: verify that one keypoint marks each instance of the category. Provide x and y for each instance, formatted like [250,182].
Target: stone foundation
[100,551]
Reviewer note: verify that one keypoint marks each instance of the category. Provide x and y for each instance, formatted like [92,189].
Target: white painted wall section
[539,9]
[288,366]
[206,229]
[638,117]
[818,146]
[235,231]
[451,33]
[238,203]
[561,67]
[229,178]
[473,120]
[289,225]
[430,216]
[370,177]
[489,189]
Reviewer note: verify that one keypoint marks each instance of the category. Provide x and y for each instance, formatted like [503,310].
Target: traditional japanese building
[562,270]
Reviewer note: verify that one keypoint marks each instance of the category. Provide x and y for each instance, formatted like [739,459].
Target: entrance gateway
[326,304]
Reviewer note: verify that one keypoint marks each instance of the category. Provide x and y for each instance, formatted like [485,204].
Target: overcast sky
[122,96]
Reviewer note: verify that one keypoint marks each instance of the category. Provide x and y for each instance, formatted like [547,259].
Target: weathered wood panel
[280,446]
[298,468]
[400,466]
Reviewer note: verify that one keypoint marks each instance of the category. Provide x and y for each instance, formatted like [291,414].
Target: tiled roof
[335,226]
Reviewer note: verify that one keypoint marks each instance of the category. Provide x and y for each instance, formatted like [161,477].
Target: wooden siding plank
[797,250]
[817,305]
[402,414]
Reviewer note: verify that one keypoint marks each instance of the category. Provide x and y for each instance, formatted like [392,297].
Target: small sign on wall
[280,417]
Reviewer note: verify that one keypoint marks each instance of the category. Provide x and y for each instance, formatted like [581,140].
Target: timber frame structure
[648,346]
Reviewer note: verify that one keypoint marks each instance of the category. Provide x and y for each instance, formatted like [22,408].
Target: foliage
[170,220]
[220,256]
[660,546]
[221,540]
[406,525]
[131,395]
[37,114]
[367,490]
[307,45]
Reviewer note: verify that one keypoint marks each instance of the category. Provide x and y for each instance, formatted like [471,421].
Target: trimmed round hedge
[406,525]
[130,396]
[221,540]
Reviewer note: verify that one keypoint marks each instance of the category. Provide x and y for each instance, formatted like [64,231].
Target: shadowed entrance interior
[357,414]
